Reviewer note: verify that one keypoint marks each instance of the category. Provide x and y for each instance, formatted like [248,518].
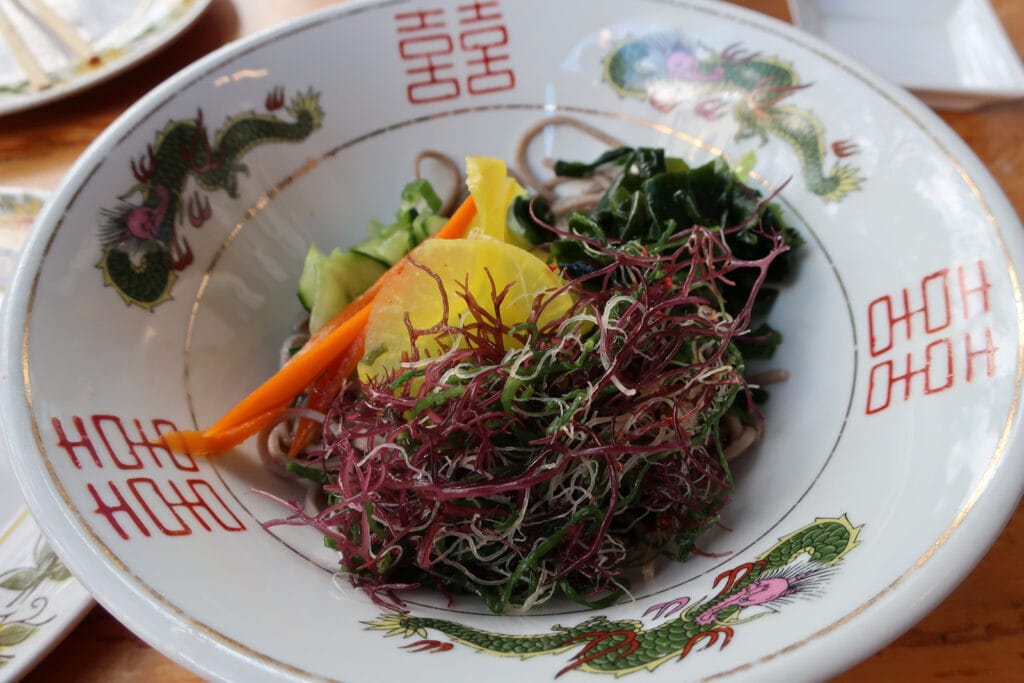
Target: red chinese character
[157,507]
[988,351]
[110,511]
[966,292]
[142,441]
[69,446]
[162,506]
[183,462]
[207,499]
[489,71]
[883,318]
[419,20]
[937,367]
[429,49]
[486,76]
[475,12]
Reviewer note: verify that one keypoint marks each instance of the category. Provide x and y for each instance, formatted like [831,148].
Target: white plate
[39,600]
[122,32]
[869,499]
[953,54]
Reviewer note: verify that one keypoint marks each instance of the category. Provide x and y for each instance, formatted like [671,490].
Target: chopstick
[37,77]
[58,27]
[67,33]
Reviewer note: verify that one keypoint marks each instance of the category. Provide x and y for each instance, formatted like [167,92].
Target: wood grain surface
[975,634]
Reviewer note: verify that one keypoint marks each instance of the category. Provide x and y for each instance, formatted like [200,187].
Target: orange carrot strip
[323,391]
[458,224]
[329,342]
[288,382]
[205,443]
[316,399]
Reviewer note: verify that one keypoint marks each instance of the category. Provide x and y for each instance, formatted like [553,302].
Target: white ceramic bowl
[870,497]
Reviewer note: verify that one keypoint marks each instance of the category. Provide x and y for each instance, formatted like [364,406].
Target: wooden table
[977,633]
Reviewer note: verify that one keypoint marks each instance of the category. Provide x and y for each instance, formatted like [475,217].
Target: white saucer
[953,54]
[39,600]
[123,33]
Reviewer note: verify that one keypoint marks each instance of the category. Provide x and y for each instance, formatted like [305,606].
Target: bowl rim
[211,654]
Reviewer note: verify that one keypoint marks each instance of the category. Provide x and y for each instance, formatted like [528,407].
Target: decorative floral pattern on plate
[18,209]
[23,615]
[38,599]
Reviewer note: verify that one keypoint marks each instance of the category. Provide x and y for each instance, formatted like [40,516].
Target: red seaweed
[555,464]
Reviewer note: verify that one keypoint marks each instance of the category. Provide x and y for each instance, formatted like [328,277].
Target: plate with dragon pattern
[160,287]
[106,38]
[39,600]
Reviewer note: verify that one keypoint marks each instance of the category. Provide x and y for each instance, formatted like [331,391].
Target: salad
[537,395]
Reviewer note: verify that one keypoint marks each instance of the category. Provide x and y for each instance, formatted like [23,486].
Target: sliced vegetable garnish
[521,430]
[336,336]
[543,404]
[296,375]
[494,191]
[330,281]
[212,443]
[430,293]
[323,392]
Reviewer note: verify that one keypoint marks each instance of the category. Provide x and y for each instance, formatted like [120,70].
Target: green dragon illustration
[142,251]
[667,71]
[797,566]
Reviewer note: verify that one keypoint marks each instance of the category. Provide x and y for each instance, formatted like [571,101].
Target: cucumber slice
[419,198]
[308,278]
[329,282]
[332,293]
[425,226]
[389,246]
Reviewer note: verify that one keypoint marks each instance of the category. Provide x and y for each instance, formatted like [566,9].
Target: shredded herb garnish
[530,460]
